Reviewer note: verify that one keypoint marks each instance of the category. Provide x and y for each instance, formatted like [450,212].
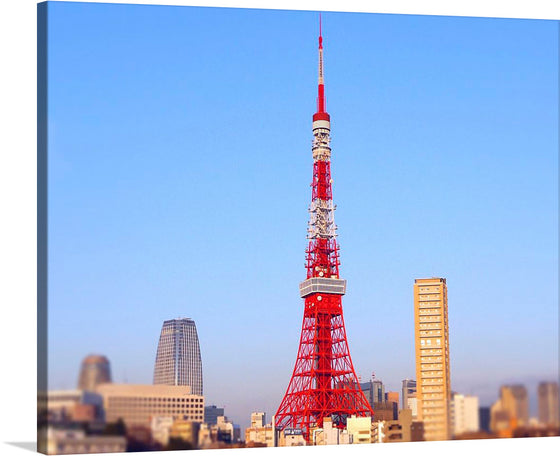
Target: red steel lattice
[324,383]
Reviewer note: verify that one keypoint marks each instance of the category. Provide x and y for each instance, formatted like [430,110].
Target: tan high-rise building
[433,381]
[548,404]
[516,401]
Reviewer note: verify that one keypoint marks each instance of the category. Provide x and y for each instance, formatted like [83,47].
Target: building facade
[74,441]
[548,404]
[464,410]
[211,414]
[515,401]
[137,404]
[408,391]
[412,405]
[359,429]
[178,360]
[185,430]
[95,369]
[432,357]
[72,405]
[501,421]
[484,418]
[374,390]
[259,433]
[330,435]
[385,411]
[258,419]
[392,396]
[161,428]
[399,430]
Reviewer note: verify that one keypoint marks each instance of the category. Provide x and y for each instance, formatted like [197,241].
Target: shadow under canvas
[30,446]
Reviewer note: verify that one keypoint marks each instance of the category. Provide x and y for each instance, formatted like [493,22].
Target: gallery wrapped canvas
[183,303]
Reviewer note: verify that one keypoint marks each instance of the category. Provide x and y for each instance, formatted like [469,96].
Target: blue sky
[179,171]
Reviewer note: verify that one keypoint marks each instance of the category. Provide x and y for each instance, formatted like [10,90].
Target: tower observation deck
[324,383]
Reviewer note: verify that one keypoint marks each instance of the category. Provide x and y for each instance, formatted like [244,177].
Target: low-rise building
[399,430]
[261,436]
[220,435]
[72,441]
[359,428]
[464,413]
[186,431]
[330,435]
[258,419]
[378,432]
[259,433]
[385,411]
[291,437]
[137,404]
[72,405]
[161,428]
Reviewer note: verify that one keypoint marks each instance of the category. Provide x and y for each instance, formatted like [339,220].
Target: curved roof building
[95,370]
[178,360]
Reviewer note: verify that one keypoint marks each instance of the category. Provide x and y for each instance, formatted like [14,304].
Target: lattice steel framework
[323,383]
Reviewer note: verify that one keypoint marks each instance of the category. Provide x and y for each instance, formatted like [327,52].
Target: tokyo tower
[323,383]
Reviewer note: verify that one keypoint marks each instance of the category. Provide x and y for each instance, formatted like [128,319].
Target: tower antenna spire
[321,104]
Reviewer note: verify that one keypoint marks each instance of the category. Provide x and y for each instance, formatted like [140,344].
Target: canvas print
[194,288]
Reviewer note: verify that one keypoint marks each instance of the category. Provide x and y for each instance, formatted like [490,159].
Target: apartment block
[432,357]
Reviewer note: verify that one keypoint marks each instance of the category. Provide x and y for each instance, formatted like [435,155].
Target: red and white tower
[323,383]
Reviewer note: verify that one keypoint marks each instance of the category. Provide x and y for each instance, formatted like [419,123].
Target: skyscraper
[516,401]
[178,360]
[548,404]
[432,357]
[408,392]
[374,390]
[95,370]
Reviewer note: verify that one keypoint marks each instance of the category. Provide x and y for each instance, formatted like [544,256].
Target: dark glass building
[484,418]
[211,414]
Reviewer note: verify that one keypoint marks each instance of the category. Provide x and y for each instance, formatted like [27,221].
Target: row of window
[430,341]
[429,359]
[154,399]
[436,318]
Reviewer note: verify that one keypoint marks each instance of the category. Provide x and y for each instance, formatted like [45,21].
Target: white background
[18,208]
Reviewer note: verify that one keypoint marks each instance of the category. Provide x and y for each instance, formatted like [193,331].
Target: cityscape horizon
[248,316]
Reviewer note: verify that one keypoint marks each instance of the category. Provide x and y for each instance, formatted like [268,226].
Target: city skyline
[279,231]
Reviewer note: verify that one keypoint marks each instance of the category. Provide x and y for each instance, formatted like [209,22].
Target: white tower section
[321,211]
